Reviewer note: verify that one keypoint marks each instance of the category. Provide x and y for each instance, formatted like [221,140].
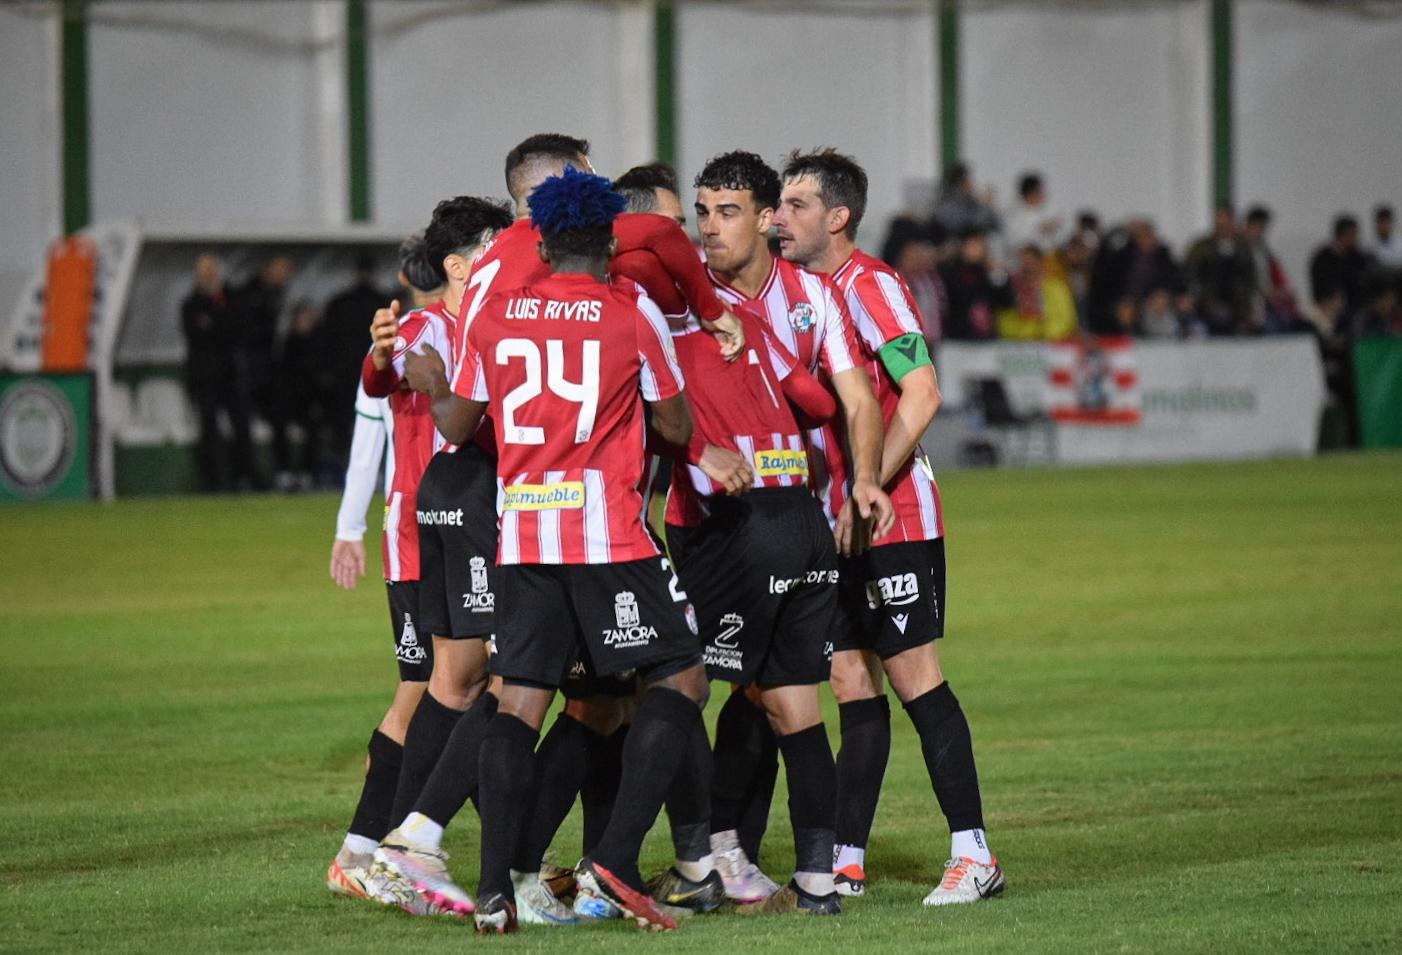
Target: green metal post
[1222,101]
[948,16]
[73,86]
[664,40]
[358,109]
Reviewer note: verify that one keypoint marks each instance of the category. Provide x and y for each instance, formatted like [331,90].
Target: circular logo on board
[38,438]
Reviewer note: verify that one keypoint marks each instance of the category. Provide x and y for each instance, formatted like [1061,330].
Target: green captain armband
[903,355]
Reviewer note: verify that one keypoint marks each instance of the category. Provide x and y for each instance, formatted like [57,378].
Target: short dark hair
[1344,223]
[741,170]
[1258,214]
[458,224]
[421,272]
[1028,183]
[1382,211]
[841,181]
[555,146]
[639,185]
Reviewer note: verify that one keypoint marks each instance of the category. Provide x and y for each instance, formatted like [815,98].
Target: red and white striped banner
[1094,381]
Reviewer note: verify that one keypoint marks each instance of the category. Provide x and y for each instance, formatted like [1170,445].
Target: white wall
[454,90]
[1112,106]
[29,148]
[1318,119]
[770,82]
[209,116]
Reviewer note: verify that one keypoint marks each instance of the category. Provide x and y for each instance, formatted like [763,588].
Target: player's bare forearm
[456,417]
[863,416]
[919,401]
[671,419]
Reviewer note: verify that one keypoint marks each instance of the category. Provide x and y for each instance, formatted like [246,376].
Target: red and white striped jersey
[414,438]
[805,311]
[739,406]
[883,309]
[564,366]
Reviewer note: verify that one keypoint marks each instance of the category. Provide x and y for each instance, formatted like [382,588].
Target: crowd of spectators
[250,353]
[1025,273]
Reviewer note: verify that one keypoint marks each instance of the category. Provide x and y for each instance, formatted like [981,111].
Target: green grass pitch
[1184,683]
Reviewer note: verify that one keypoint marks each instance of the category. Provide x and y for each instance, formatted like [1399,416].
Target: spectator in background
[257,306]
[344,330]
[1072,264]
[1222,278]
[913,250]
[1088,229]
[976,289]
[959,209]
[1029,222]
[1380,315]
[1388,250]
[1274,301]
[301,401]
[211,339]
[1159,316]
[1042,308]
[1338,268]
[1132,262]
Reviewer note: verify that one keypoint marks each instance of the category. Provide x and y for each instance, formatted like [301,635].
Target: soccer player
[350,871]
[565,365]
[588,728]
[736,196]
[893,594]
[652,188]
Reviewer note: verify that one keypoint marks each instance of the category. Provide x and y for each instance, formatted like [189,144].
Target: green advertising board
[45,437]
[1377,369]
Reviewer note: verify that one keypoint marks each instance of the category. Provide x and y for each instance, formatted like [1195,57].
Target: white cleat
[537,905]
[387,888]
[744,882]
[426,869]
[348,874]
[967,881]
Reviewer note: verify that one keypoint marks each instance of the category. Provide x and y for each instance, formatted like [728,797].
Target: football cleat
[389,889]
[967,881]
[851,880]
[496,914]
[558,879]
[593,908]
[793,899]
[348,873]
[426,869]
[633,904]
[537,905]
[743,880]
[675,890]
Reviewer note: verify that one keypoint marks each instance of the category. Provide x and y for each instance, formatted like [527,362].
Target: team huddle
[570,371]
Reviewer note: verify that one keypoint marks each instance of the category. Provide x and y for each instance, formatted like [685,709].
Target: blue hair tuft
[574,201]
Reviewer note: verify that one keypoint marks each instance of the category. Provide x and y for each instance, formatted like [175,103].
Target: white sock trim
[970,844]
[422,830]
[358,845]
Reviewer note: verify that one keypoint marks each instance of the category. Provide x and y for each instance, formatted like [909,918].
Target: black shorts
[892,598]
[413,647]
[581,682]
[762,571]
[626,616]
[457,514]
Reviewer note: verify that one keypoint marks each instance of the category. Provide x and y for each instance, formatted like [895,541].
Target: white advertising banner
[1201,400]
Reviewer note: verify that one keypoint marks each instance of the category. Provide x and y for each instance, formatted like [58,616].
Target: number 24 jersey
[564,365]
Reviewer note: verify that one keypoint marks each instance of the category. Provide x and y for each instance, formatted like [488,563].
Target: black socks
[454,779]
[949,756]
[861,767]
[372,813]
[561,764]
[600,789]
[689,799]
[506,764]
[812,778]
[429,729]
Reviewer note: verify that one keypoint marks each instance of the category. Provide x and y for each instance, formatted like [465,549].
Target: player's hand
[347,562]
[866,516]
[384,332]
[425,370]
[729,333]
[727,469]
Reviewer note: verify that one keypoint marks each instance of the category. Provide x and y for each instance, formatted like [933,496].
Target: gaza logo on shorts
[894,591]
[801,317]
[629,631]
[481,599]
[408,650]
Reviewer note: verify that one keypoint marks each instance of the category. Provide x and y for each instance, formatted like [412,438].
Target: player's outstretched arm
[455,417]
[873,515]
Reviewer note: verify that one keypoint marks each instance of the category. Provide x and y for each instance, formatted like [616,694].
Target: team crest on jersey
[408,649]
[629,631]
[802,317]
